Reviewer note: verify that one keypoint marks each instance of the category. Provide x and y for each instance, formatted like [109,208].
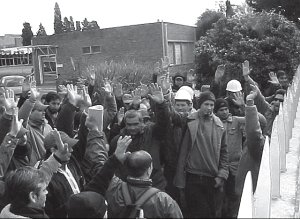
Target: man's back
[160,205]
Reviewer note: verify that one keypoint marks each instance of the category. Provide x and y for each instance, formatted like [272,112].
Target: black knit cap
[220,102]
[86,204]
[207,95]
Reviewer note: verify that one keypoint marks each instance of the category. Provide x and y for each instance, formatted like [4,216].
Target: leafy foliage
[289,8]
[26,34]
[129,73]
[268,40]
[41,31]
[86,25]
[206,20]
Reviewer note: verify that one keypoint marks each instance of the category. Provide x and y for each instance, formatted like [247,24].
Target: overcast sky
[108,13]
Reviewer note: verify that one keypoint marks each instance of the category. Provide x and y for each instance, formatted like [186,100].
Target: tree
[26,34]
[58,25]
[41,31]
[206,20]
[93,25]
[67,25]
[268,40]
[78,27]
[289,8]
[72,26]
[85,24]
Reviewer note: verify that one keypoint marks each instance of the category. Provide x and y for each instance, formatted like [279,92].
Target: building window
[181,52]
[15,59]
[49,64]
[86,50]
[91,49]
[96,49]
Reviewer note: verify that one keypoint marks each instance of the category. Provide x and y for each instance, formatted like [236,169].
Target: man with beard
[53,100]
[203,160]
[146,137]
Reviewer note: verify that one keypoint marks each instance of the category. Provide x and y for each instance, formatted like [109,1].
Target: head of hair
[280,73]
[133,114]
[20,182]
[138,163]
[51,96]
[280,91]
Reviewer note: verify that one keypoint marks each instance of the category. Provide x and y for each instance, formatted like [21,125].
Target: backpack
[133,209]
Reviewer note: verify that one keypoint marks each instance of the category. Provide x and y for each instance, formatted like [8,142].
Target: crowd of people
[163,150]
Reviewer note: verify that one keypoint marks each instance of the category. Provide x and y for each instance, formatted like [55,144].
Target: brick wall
[142,43]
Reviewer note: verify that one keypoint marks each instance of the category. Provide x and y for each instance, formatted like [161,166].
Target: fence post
[246,206]
[275,161]
[262,195]
[282,139]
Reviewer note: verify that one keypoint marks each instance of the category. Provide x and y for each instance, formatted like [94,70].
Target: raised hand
[120,115]
[34,93]
[73,96]
[219,72]
[238,98]
[63,152]
[274,80]
[122,146]
[9,101]
[107,86]
[86,97]
[91,77]
[156,93]
[165,63]
[253,93]
[137,96]
[166,85]
[246,68]
[16,124]
[117,89]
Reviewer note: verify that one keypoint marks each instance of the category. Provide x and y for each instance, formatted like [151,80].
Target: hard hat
[234,86]
[183,95]
[188,89]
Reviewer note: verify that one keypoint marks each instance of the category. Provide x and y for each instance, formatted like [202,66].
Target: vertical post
[275,161]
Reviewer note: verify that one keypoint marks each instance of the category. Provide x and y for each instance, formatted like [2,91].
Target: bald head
[138,163]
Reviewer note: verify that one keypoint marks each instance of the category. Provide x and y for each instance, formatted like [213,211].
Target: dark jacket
[219,137]
[59,189]
[149,140]
[160,205]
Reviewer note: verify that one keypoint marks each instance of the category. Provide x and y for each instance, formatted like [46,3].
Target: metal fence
[278,185]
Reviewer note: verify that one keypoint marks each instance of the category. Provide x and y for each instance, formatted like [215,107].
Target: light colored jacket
[235,127]
[5,213]
[218,138]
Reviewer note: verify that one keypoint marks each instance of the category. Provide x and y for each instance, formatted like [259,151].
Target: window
[86,50]
[49,64]
[181,52]
[15,59]
[96,49]
[91,49]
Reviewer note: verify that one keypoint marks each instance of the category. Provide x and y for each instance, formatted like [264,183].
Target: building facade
[70,53]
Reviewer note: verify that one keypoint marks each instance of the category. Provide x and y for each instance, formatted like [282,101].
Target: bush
[269,41]
[129,73]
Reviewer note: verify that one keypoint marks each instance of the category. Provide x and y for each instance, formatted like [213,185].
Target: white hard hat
[188,89]
[234,86]
[183,95]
